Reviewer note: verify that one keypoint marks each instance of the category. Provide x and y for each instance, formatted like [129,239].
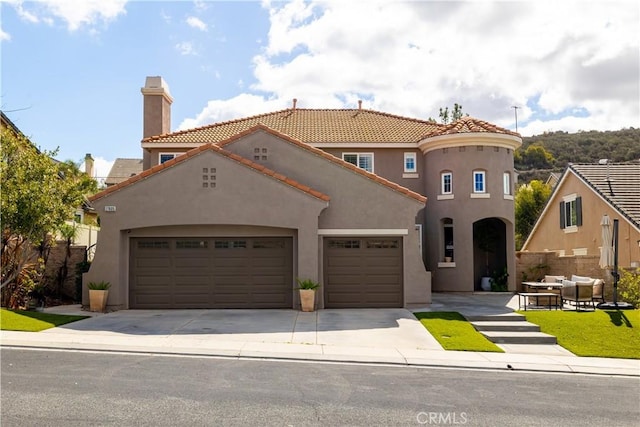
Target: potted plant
[98,294]
[307,289]
[500,281]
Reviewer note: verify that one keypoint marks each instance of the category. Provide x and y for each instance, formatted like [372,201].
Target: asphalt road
[63,388]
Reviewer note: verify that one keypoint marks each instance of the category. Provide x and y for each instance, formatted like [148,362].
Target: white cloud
[75,14]
[186,48]
[242,105]
[101,167]
[411,58]
[4,36]
[196,23]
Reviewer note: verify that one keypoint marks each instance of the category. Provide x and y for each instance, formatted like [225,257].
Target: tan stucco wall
[548,236]
[464,211]
[174,198]
[389,163]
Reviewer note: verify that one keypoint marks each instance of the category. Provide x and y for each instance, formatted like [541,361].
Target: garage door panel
[211,273]
[151,262]
[192,262]
[363,272]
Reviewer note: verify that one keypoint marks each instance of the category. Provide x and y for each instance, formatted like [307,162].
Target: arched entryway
[489,251]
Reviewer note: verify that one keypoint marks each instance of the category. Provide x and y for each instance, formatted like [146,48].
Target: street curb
[414,362]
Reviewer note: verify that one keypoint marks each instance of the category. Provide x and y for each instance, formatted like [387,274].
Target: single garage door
[211,272]
[363,272]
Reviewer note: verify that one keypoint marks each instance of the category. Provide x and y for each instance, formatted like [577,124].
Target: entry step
[502,337]
[506,317]
[506,326]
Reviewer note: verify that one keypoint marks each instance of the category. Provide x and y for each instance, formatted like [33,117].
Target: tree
[446,116]
[38,195]
[530,200]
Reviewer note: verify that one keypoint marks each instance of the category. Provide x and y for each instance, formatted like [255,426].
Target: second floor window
[410,162]
[479,184]
[506,181]
[361,160]
[571,212]
[447,183]
[165,157]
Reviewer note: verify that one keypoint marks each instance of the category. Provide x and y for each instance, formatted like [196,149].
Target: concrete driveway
[380,328]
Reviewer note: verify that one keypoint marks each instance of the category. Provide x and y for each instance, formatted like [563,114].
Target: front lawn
[33,321]
[453,332]
[600,333]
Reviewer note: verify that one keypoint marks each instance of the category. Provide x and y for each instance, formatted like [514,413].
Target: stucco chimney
[295,102]
[88,165]
[157,107]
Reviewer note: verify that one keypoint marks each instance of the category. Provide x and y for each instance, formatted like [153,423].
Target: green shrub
[307,284]
[100,286]
[629,286]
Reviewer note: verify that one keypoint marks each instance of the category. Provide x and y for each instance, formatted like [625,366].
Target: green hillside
[551,152]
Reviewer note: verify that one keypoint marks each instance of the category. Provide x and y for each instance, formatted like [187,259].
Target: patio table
[526,298]
[536,286]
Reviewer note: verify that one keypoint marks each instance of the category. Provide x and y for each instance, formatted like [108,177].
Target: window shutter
[579,211]
[562,223]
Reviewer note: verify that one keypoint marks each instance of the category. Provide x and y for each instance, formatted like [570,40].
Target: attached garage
[363,272]
[191,272]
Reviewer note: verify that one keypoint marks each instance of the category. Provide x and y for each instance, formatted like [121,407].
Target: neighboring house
[570,222]
[122,170]
[228,215]
[553,179]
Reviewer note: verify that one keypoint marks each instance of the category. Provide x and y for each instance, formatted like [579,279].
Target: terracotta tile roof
[314,126]
[468,124]
[123,169]
[619,184]
[248,163]
[389,184]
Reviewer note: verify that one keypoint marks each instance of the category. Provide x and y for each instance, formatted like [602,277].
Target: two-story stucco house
[379,209]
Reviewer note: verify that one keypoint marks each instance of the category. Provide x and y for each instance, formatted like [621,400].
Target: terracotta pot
[98,300]
[307,299]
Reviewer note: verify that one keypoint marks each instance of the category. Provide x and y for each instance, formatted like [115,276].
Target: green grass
[600,333]
[453,332]
[33,321]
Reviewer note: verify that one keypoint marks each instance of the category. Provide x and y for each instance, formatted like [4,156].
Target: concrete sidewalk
[392,337]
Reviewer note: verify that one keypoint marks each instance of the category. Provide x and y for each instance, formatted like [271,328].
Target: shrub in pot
[307,289]
[98,294]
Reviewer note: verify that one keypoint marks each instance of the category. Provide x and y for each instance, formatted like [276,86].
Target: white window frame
[506,183]
[483,174]
[414,158]
[358,157]
[443,189]
[167,154]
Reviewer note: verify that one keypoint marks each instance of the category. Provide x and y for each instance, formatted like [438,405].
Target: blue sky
[71,72]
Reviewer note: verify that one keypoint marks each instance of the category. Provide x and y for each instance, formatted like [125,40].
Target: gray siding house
[379,209]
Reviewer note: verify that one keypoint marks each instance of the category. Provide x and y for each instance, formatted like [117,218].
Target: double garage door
[211,272]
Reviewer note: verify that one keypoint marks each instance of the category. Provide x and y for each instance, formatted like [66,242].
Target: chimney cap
[155,85]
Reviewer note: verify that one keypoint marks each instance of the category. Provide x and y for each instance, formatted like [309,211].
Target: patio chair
[580,293]
[598,290]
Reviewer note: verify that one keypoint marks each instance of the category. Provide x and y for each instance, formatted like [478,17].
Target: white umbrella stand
[608,245]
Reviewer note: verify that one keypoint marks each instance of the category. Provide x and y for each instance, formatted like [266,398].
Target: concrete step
[502,326]
[506,317]
[502,337]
